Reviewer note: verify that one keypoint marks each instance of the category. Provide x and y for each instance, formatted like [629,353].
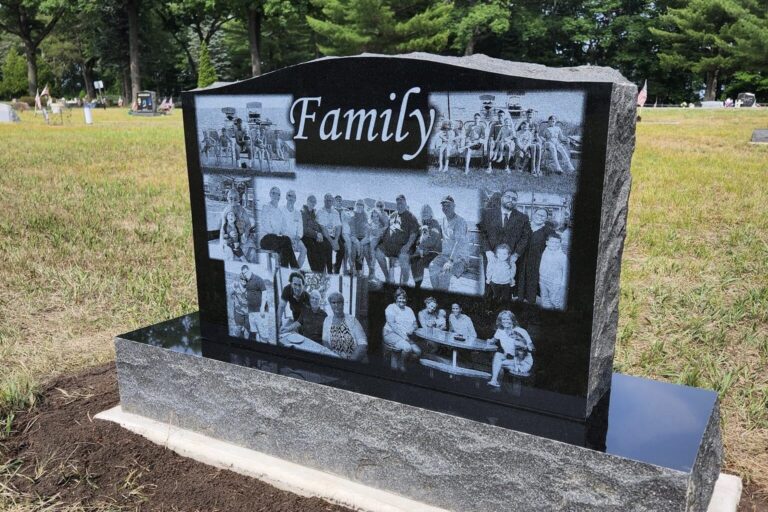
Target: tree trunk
[710,94]
[132,8]
[30,51]
[254,39]
[88,79]
[126,84]
[470,48]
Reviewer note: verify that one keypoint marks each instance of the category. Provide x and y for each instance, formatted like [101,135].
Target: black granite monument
[424,252]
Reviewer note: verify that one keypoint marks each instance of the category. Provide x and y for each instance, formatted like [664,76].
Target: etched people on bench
[398,241]
[555,142]
[494,149]
[343,256]
[295,295]
[359,235]
[310,321]
[400,324]
[535,147]
[342,332]
[236,229]
[461,324]
[377,226]
[329,220]
[315,239]
[445,145]
[476,139]
[428,246]
[505,141]
[513,348]
[524,148]
[295,225]
[431,317]
[275,229]
[452,260]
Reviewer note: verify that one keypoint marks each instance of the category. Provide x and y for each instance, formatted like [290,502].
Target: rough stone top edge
[479,62]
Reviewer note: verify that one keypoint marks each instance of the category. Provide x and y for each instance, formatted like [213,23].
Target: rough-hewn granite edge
[613,229]
[436,458]
[482,62]
[706,469]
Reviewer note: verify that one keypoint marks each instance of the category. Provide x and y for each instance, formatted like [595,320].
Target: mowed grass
[694,300]
[96,240]
[95,237]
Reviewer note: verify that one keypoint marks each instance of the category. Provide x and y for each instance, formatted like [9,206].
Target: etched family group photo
[303,251]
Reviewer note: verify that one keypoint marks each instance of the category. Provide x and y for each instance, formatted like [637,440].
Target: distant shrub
[29,100]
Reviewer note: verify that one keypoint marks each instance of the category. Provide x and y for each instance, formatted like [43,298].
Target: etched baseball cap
[447,199]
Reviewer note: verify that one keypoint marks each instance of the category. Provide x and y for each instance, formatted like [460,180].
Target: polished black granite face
[648,421]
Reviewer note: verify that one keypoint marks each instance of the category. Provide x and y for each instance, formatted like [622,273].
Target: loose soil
[59,451]
[59,455]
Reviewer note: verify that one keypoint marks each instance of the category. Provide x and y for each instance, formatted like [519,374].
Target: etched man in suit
[504,225]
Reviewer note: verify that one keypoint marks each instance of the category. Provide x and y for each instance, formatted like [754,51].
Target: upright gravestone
[444,233]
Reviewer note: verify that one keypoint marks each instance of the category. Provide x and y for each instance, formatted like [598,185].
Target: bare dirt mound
[60,456]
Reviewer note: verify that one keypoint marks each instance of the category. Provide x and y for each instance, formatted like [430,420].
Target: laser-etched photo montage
[522,150]
[246,132]
[383,226]
[323,314]
[451,335]
[230,211]
[251,299]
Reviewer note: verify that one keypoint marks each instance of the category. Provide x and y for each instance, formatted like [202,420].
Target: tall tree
[207,73]
[132,13]
[475,20]
[698,37]
[259,13]
[204,18]
[14,72]
[348,27]
[31,21]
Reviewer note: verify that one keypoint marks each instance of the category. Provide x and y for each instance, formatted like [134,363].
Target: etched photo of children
[500,275]
[553,274]
[514,348]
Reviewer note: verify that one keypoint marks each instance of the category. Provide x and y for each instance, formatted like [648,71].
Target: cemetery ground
[95,238]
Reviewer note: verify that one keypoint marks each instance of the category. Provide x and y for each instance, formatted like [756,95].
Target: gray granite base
[438,459]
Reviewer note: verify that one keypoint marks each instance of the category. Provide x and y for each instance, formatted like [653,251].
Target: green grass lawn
[96,240]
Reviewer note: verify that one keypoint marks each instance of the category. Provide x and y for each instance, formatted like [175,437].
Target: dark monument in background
[521,173]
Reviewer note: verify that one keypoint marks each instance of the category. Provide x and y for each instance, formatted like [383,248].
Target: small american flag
[642,95]
[45,91]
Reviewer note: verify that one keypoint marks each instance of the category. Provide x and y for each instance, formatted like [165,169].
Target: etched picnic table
[448,339]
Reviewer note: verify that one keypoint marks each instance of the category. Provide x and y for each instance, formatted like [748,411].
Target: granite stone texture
[613,230]
[431,457]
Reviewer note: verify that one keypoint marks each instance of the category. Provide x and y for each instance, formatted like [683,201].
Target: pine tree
[698,37]
[14,72]
[348,27]
[206,73]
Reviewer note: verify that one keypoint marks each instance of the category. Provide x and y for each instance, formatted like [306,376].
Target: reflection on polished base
[652,446]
